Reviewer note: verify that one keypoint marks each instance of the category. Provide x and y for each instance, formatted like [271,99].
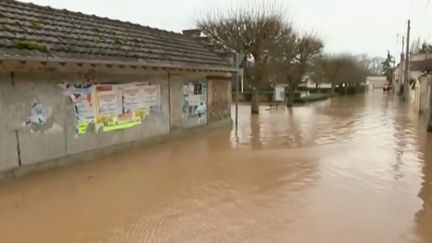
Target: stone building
[72,84]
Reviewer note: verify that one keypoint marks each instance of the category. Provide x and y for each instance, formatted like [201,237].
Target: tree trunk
[255,101]
[333,88]
[291,96]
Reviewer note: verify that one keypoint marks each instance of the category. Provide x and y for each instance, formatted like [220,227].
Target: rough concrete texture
[176,94]
[219,108]
[45,142]
[92,155]
[56,139]
[8,142]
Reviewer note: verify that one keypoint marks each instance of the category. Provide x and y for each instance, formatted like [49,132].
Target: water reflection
[423,217]
[350,169]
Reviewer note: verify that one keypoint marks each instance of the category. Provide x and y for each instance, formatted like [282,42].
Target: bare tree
[341,69]
[328,70]
[293,56]
[373,64]
[252,31]
[308,48]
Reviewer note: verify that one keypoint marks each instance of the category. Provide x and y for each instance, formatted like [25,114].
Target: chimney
[193,33]
[217,48]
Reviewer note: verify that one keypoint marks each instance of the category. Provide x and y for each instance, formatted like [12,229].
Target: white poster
[108,101]
[133,98]
[151,94]
[279,93]
[83,103]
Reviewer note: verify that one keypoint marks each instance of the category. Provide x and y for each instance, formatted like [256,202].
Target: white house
[376,82]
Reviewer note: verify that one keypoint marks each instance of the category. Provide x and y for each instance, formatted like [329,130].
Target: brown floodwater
[351,169]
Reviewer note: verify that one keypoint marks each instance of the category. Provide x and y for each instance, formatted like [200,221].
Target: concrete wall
[429,106]
[219,100]
[424,96]
[20,146]
[8,141]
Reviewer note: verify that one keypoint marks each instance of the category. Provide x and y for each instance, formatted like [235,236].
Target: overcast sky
[362,26]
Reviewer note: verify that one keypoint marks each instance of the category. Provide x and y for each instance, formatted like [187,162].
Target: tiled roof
[29,31]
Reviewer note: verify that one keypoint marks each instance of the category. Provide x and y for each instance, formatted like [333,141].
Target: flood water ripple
[350,169]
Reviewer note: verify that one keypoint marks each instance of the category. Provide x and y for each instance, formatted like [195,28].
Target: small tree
[372,64]
[251,31]
[328,69]
[388,67]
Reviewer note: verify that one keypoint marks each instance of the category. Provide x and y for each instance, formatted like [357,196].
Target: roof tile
[87,37]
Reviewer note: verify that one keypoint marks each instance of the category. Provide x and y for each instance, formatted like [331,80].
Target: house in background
[398,75]
[376,82]
[72,83]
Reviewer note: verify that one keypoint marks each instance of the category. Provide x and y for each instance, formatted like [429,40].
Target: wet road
[352,169]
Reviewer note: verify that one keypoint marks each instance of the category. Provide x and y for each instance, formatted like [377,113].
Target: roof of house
[421,62]
[33,32]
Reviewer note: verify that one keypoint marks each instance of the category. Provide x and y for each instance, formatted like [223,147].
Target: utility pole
[401,69]
[237,90]
[407,64]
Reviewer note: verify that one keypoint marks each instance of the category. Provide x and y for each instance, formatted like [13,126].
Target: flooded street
[351,169]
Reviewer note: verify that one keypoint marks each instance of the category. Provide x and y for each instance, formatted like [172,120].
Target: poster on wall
[151,95]
[194,100]
[124,106]
[108,100]
[82,99]
[132,98]
[134,105]
[109,109]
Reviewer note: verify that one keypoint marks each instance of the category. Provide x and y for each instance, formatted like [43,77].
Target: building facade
[72,83]
[376,82]
[421,88]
